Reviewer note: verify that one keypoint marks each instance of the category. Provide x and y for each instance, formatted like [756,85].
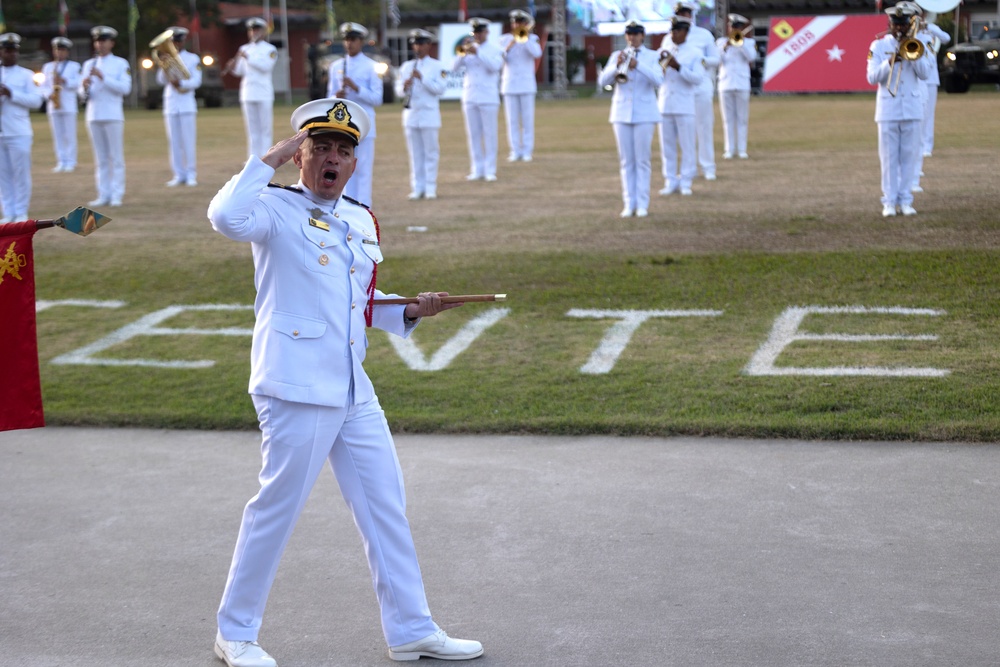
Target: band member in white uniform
[704,40]
[518,85]
[254,64]
[354,78]
[315,257]
[933,38]
[18,96]
[482,62]
[61,78]
[899,110]
[636,75]
[682,76]
[734,84]
[421,83]
[106,80]
[180,111]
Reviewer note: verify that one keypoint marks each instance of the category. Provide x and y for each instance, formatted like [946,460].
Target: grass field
[797,225]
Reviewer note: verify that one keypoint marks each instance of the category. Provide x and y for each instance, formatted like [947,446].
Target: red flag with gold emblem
[20,388]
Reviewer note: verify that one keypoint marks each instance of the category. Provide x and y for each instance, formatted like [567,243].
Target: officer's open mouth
[329,177]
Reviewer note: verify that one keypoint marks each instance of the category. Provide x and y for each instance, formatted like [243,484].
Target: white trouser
[15,176]
[735,119]
[359,187]
[258,119]
[898,148]
[481,131]
[678,130]
[107,138]
[182,136]
[64,138]
[930,105]
[519,112]
[635,143]
[422,144]
[297,439]
[704,113]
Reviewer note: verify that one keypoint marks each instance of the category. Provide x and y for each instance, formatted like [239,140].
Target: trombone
[166,56]
[522,33]
[911,49]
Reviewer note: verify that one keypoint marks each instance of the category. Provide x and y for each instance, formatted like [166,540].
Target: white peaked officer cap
[103,31]
[634,28]
[479,24]
[332,115]
[680,23]
[256,22]
[686,5]
[902,11]
[348,29]
[179,32]
[519,15]
[738,18]
[62,42]
[10,40]
[420,35]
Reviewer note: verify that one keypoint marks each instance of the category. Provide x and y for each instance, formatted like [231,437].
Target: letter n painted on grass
[786,331]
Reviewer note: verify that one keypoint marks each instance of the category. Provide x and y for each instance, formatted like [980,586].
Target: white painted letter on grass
[786,331]
[617,338]
[147,326]
[415,360]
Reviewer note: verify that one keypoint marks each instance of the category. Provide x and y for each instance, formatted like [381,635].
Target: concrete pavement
[114,547]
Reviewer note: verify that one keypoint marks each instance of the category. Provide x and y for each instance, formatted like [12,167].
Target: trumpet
[736,36]
[522,33]
[666,57]
[621,76]
[57,86]
[911,49]
[166,55]
[466,46]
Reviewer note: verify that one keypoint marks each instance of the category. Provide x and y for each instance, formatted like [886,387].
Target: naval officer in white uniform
[734,85]
[518,85]
[254,65]
[180,111]
[315,256]
[105,81]
[421,83]
[18,95]
[61,78]
[354,78]
[482,61]
[899,113]
[682,76]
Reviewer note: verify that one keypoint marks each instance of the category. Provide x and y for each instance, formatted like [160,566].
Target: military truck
[210,92]
[975,61]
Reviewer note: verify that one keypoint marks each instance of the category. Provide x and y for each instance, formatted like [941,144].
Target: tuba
[166,55]
[522,33]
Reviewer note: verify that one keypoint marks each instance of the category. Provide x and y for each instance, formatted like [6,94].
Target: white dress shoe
[906,209]
[98,202]
[727,156]
[490,178]
[626,213]
[526,158]
[174,182]
[668,190]
[916,188]
[438,645]
[115,202]
[431,195]
[927,153]
[641,213]
[888,210]
[744,156]
[686,192]
[512,158]
[242,654]
[473,177]
[57,169]
[192,184]
[415,195]
[709,177]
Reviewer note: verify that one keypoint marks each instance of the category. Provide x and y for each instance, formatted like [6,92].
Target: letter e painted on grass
[415,360]
[786,331]
[617,338]
[147,326]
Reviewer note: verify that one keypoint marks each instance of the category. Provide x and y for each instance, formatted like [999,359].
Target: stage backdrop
[811,54]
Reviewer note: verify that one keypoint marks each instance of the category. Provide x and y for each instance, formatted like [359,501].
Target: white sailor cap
[902,12]
[635,28]
[255,22]
[349,29]
[685,6]
[332,115]
[519,15]
[179,33]
[420,36]
[738,19]
[10,40]
[62,43]
[479,24]
[103,32]
[680,23]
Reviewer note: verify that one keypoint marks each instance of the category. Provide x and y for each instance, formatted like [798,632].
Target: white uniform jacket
[635,100]
[24,96]
[105,96]
[361,70]
[933,38]
[678,89]
[69,72]
[425,93]
[181,100]
[519,65]
[255,69]
[704,42]
[735,63]
[908,104]
[481,83]
[313,264]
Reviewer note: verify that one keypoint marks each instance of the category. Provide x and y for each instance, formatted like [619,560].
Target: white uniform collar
[325,204]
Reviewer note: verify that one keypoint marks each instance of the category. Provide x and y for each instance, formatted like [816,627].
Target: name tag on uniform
[370,242]
[319,224]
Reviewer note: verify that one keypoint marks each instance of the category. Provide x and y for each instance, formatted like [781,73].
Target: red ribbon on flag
[21,388]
